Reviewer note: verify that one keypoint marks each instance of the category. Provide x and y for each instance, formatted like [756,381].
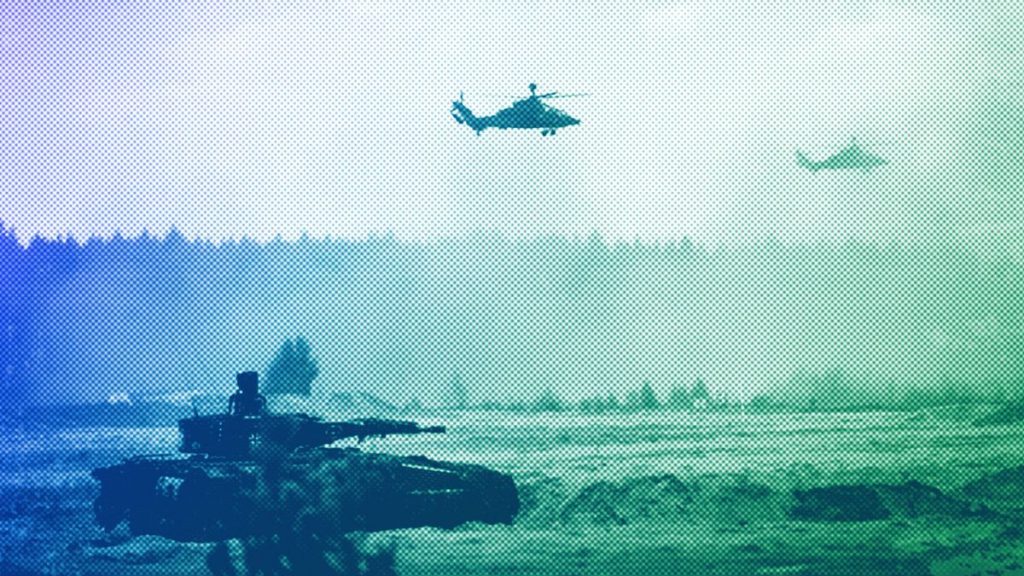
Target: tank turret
[229,436]
[253,473]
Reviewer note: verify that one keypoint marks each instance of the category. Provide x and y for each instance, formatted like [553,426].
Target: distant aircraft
[528,113]
[850,157]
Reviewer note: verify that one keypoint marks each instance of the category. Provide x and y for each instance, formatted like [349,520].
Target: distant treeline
[828,392]
[579,317]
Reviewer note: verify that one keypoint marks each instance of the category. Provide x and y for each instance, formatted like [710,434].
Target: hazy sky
[329,117]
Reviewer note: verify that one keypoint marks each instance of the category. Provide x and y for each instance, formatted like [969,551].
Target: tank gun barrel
[364,428]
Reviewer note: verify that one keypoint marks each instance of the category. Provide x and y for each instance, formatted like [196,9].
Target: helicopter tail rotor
[463,115]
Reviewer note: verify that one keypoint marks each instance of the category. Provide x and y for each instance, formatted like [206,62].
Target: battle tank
[251,473]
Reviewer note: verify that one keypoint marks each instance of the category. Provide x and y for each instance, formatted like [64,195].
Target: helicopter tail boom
[463,115]
[805,162]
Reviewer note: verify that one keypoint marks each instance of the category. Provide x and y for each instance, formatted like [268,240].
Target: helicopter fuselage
[528,113]
[851,157]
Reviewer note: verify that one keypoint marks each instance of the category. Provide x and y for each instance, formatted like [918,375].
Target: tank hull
[320,491]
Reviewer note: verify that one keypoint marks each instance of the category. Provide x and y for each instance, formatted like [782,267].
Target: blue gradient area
[27,277]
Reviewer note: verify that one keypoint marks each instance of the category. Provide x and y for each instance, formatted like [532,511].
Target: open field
[657,493]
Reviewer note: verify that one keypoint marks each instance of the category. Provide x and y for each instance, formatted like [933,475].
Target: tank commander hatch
[247,401]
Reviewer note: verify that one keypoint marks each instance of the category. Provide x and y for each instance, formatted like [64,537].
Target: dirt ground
[57,539]
[823,495]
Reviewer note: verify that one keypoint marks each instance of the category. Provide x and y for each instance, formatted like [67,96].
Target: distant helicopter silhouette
[528,113]
[851,157]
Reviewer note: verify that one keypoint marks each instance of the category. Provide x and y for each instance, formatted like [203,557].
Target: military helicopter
[850,157]
[527,113]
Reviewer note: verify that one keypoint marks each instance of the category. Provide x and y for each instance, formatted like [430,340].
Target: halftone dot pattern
[758,313]
[609,380]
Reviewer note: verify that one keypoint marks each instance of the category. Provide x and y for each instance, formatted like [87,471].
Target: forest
[579,319]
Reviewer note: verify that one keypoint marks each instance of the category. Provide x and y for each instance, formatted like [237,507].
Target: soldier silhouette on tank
[247,401]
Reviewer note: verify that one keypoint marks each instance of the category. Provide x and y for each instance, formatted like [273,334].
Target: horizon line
[961,236]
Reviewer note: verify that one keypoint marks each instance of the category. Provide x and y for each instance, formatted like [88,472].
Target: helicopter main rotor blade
[557,95]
